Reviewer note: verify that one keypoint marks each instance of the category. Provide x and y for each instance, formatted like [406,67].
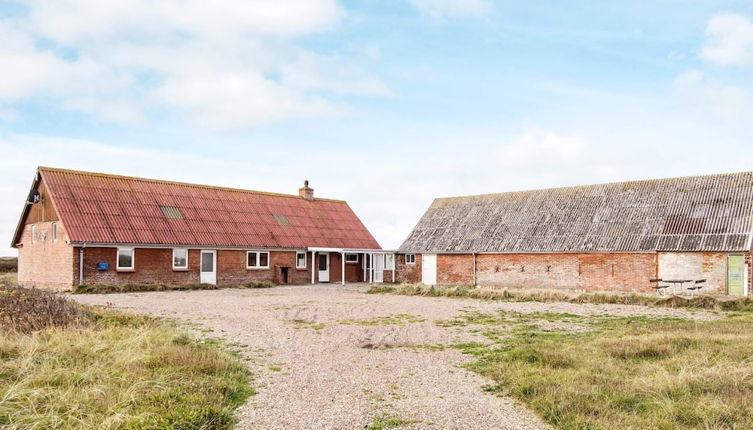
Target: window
[257,260]
[389,261]
[33,234]
[300,260]
[351,258]
[125,259]
[410,258]
[180,258]
[54,232]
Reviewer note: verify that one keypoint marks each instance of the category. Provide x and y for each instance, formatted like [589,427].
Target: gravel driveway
[332,357]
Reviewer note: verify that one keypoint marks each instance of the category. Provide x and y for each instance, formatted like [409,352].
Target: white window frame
[413,257]
[133,259]
[297,254]
[389,262]
[180,267]
[258,260]
[54,229]
[351,261]
[33,234]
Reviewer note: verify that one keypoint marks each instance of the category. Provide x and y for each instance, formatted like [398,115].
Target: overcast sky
[387,104]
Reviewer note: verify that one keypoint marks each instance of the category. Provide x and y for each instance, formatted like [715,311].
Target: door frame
[326,277]
[379,265]
[213,279]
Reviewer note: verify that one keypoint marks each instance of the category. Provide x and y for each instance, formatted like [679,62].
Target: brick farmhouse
[614,236]
[82,228]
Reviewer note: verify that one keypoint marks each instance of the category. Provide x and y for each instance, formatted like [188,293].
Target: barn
[84,228]
[689,231]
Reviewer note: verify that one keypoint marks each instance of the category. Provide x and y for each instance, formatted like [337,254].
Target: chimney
[306,192]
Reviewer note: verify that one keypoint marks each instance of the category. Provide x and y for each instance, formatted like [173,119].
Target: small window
[351,258]
[257,260]
[125,259]
[180,258]
[300,260]
[33,234]
[389,262]
[54,232]
[410,258]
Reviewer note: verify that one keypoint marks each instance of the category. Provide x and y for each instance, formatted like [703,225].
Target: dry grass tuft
[25,310]
[114,370]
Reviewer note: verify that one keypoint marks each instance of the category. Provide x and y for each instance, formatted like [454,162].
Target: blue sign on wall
[103,265]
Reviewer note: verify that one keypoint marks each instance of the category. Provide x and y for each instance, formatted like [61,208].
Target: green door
[735,275]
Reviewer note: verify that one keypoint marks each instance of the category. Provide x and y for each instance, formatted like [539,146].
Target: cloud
[440,9]
[224,64]
[729,40]
[541,147]
[726,102]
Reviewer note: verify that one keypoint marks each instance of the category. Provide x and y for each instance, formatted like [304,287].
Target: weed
[396,319]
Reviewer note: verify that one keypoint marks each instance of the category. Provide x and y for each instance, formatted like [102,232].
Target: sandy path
[313,371]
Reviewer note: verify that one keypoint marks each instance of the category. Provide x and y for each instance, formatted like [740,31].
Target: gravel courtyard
[332,357]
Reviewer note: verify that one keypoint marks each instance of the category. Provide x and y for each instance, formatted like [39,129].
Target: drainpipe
[313,263]
[475,284]
[81,264]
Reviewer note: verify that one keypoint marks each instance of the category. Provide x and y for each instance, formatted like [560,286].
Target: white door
[429,269]
[323,266]
[208,267]
[379,268]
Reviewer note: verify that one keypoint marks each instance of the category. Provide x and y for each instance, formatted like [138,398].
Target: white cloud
[440,9]
[726,102]
[541,147]
[229,63]
[729,40]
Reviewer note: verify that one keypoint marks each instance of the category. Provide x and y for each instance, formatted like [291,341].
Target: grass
[134,288]
[504,294]
[629,373]
[116,371]
[396,319]
[388,422]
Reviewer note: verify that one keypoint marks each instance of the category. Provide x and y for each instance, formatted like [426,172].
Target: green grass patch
[137,288]
[389,422]
[658,373]
[117,371]
[396,319]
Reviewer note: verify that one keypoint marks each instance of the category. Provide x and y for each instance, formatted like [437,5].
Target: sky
[387,104]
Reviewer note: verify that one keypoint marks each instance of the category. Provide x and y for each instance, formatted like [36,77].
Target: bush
[27,310]
[8,264]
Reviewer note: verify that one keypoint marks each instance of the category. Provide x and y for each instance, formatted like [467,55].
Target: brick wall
[410,273]
[627,272]
[155,266]
[46,263]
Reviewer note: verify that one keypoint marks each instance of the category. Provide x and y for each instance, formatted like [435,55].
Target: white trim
[413,258]
[133,259]
[297,253]
[347,254]
[54,231]
[180,267]
[258,260]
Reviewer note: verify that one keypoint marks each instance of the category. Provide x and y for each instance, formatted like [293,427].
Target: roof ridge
[185,184]
[570,187]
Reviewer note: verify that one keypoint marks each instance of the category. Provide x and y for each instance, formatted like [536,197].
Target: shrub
[27,310]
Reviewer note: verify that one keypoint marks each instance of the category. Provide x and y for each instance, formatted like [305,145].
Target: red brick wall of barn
[155,266]
[627,272]
[45,263]
[410,273]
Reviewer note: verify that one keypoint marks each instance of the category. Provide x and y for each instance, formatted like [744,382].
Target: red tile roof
[100,208]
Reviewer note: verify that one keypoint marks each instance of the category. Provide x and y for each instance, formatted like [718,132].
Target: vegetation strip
[504,294]
[627,372]
[63,365]
[136,288]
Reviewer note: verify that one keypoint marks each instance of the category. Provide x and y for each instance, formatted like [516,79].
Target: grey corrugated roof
[700,213]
